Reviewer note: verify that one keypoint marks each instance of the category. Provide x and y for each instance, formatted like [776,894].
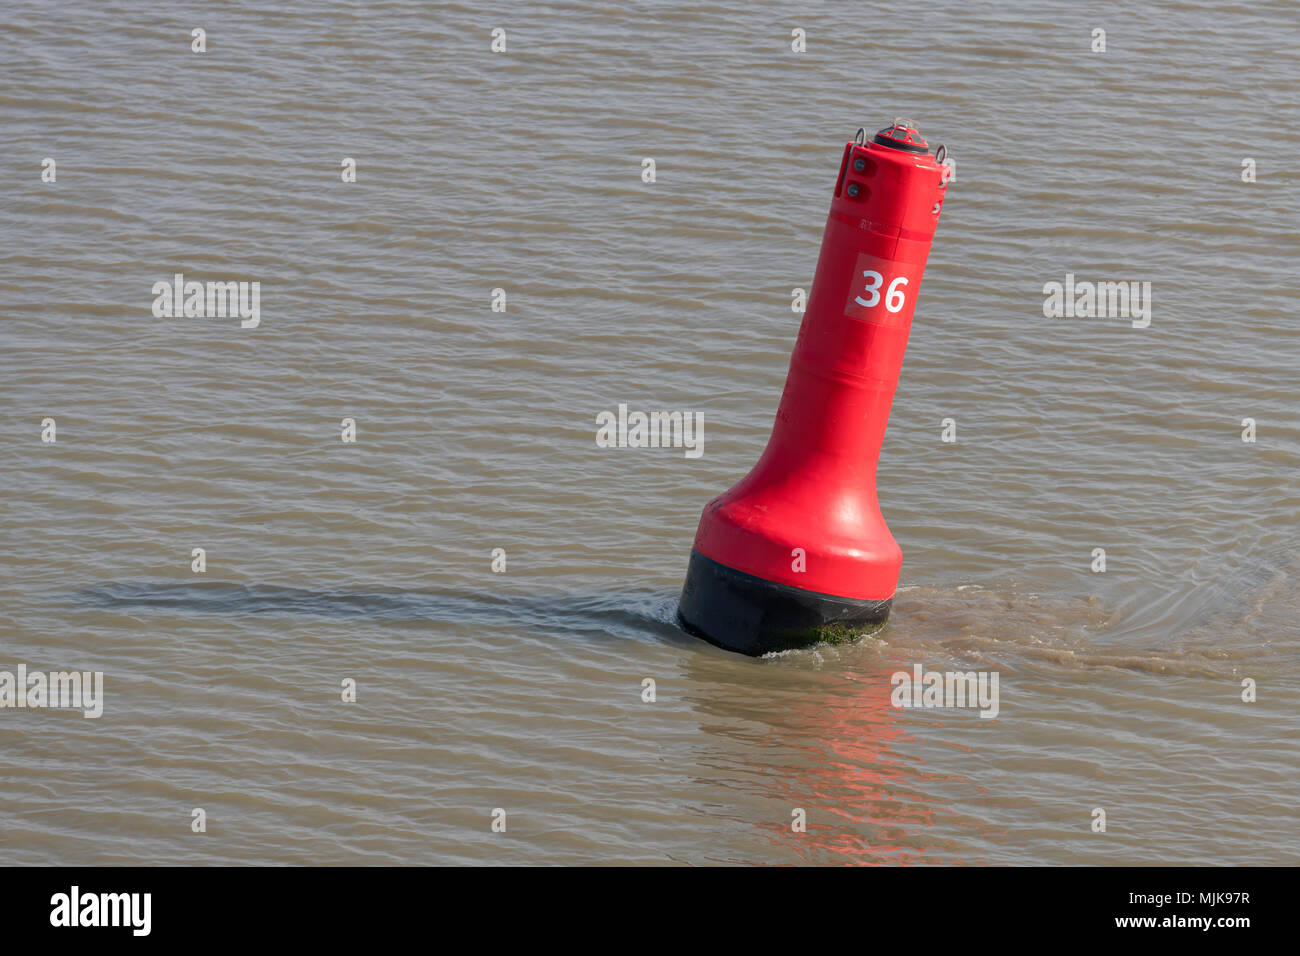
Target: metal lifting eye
[941,154]
[860,138]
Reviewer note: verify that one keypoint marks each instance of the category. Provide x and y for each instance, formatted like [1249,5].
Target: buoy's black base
[744,613]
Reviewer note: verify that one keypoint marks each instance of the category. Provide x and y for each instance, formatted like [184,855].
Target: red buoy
[798,552]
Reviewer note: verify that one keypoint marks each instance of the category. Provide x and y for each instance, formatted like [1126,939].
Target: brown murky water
[475,430]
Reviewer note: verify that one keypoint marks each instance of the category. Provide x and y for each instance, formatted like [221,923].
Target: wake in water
[968,624]
[621,612]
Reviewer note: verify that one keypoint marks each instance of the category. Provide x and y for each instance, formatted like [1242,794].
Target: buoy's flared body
[798,552]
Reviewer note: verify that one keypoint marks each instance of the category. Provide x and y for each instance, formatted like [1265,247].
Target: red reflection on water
[887,805]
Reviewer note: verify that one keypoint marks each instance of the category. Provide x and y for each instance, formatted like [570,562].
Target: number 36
[893,295]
